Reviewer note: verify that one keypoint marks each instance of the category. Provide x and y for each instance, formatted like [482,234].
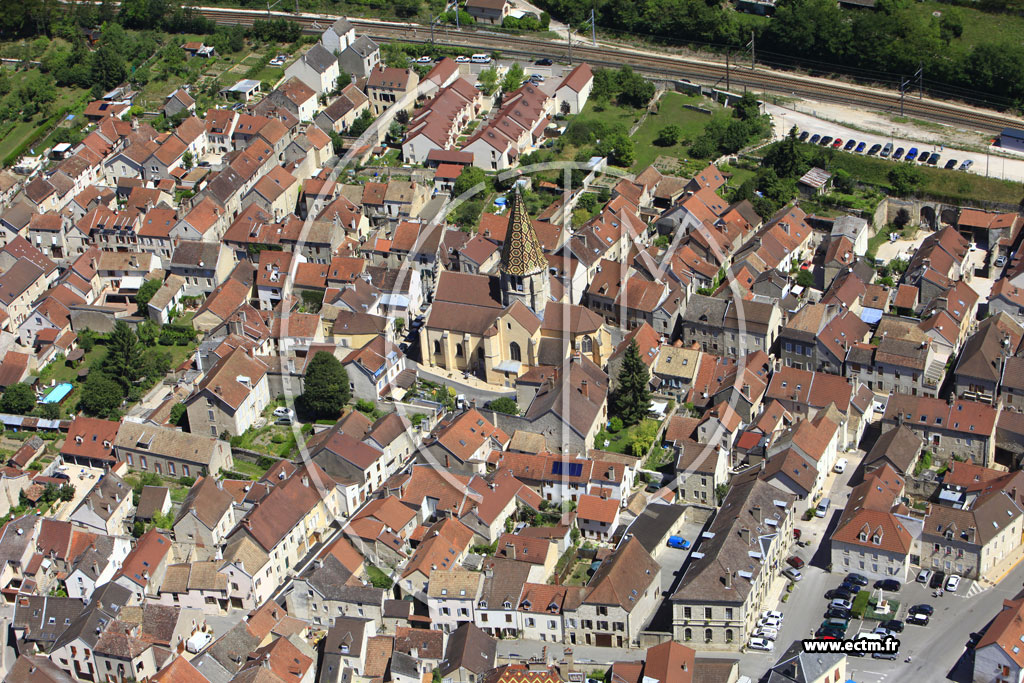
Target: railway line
[659,66]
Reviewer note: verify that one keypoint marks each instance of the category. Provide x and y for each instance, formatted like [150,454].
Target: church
[498,327]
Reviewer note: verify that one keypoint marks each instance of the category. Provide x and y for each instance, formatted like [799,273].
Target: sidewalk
[1005,566]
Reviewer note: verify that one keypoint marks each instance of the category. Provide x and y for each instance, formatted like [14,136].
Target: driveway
[83,479]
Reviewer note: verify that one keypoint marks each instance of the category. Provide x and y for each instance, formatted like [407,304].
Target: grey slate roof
[470,648]
[797,666]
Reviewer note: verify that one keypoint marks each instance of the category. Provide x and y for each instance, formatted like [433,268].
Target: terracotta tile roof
[233,377]
[622,579]
[91,437]
[597,509]
[445,542]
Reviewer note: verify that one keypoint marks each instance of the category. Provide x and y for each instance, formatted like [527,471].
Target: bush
[615,425]
[504,405]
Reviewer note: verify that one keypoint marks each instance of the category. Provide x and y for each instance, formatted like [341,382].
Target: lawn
[979,27]
[622,441]
[671,111]
[953,186]
[23,129]
[249,469]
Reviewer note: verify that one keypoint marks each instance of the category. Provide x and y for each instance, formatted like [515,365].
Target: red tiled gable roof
[597,509]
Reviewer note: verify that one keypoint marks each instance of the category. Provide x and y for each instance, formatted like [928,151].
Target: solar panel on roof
[575,469]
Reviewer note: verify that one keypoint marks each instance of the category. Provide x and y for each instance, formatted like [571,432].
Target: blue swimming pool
[58,393]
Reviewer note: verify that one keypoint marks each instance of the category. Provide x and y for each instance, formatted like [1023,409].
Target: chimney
[758,514]
[728,578]
[745,535]
[583,389]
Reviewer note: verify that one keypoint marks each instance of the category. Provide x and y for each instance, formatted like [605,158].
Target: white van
[840,465]
[823,507]
[481,58]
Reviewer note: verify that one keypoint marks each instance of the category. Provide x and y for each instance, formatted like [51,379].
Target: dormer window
[507,605]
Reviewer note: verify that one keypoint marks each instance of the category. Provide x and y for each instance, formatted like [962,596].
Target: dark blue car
[860,147]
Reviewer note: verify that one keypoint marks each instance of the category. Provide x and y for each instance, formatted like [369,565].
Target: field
[14,136]
[671,111]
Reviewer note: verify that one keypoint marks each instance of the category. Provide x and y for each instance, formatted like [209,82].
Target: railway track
[659,66]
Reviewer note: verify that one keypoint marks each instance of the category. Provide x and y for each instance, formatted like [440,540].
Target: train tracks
[658,66]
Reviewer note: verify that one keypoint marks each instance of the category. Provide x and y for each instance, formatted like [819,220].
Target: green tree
[188,160]
[504,405]
[18,399]
[146,292]
[488,80]
[344,79]
[668,136]
[632,399]
[67,492]
[325,388]
[469,177]
[178,411]
[747,108]
[618,147]
[513,77]
[108,68]
[905,178]
[805,279]
[361,123]
[101,396]
[124,355]
[148,333]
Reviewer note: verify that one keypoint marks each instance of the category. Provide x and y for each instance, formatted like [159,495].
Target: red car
[795,562]
[837,143]
[796,534]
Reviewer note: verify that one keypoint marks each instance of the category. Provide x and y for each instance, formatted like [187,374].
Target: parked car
[893,626]
[838,602]
[815,138]
[282,411]
[792,574]
[463,59]
[840,465]
[837,613]
[874,149]
[883,655]
[795,562]
[761,644]
[891,585]
[924,575]
[771,622]
[861,147]
[425,59]
[923,158]
[887,150]
[1000,261]
[771,614]
[545,61]
[918,619]
[838,594]
[850,144]
[898,154]
[926,610]
[852,588]
[766,632]
[836,624]
[796,534]
[952,583]
[826,141]
[536,78]
[950,165]
[933,160]
[938,579]
[967,164]
[678,542]
[803,136]
[911,154]
[837,143]
[829,634]
[858,579]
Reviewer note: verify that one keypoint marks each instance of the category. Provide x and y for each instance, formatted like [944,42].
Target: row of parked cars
[763,637]
[885,151]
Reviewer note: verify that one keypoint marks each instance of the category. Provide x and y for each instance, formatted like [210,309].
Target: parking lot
[982,164]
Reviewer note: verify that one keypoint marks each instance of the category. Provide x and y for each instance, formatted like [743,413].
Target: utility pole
[727,88]
[568,34]
[920,81]
[458,27]
[752,59]
[593,26]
